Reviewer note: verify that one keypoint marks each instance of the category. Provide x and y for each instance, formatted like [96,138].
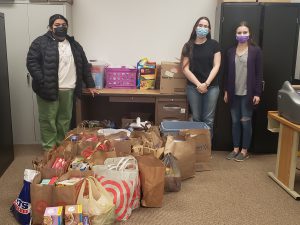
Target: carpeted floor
[232,193]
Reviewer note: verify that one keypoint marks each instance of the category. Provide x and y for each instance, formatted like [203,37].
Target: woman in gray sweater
[243,87]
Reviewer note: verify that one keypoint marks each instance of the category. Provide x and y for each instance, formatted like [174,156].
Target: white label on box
[182,110]
[169,74]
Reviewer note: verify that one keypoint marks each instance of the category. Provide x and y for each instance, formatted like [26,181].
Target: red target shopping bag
[120,177]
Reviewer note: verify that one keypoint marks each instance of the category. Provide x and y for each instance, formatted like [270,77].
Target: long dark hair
[246,24]
[187,50]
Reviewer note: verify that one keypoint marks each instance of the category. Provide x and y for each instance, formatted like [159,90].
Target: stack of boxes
[172,105]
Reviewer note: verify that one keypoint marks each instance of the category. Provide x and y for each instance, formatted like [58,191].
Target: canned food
[86,220]
[74,138]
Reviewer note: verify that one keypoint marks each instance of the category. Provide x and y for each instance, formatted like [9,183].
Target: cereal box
[53,216]
[73,215]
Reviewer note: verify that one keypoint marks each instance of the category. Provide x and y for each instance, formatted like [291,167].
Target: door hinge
[28,79]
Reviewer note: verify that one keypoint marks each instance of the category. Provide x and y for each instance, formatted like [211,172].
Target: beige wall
[122,32]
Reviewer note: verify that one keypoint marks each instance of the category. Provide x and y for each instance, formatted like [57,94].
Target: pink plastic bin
[120,78]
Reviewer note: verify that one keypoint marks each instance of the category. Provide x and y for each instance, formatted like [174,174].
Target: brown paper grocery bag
[184,151]
[202,140]
[122,147]
[41,195]
[98,157]
[47,169]
[67,195]
[151,138]
[152,176]
[82,145]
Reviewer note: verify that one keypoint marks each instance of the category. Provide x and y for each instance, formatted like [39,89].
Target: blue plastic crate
[173,127]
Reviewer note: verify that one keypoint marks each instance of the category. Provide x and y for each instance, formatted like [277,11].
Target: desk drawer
[171,109]
[141,99]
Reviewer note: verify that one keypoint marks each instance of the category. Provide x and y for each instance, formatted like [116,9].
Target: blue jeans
[241,114]
[203,105]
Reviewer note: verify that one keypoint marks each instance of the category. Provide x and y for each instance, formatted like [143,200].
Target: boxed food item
[146,74]
[172,80]
[73,214]
[147,78]
[53,216]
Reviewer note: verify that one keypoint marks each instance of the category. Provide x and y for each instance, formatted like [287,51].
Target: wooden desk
[113,103]
[124,92]
[288,145]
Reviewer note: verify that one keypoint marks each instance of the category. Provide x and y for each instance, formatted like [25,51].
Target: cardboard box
[172,80]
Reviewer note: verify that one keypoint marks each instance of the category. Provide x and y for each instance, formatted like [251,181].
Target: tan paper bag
[184,151]
[152,176]
[98,157]
[203,147]
[67,195]
[122,147]
[41,195]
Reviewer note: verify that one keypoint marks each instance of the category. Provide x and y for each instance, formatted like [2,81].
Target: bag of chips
[21,207]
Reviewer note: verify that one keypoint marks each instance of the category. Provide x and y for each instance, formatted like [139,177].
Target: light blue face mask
[201,31]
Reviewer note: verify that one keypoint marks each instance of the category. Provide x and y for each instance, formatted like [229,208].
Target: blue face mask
[201,31]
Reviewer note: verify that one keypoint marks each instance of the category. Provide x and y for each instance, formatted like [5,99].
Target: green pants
[55,118]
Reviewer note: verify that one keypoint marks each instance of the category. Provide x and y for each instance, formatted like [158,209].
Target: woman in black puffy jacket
[58,66]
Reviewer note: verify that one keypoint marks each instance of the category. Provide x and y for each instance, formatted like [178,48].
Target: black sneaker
[232,155]
[241,157]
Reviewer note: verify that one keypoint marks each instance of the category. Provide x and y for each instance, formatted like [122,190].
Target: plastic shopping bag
[98,203]
[120,176]
[21,207]
[172,174]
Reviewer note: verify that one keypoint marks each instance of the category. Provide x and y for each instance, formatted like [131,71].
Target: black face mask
[60,32]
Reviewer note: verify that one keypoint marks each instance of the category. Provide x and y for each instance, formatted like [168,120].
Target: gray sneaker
[241,157]
[232,155]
